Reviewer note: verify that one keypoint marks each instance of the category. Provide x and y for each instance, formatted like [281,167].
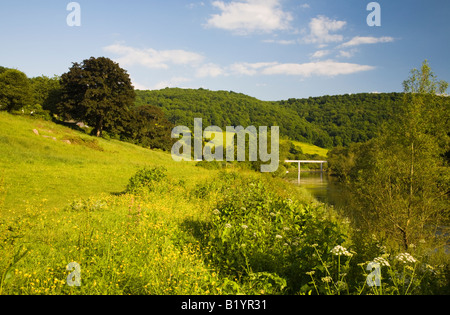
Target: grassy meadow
[138,223]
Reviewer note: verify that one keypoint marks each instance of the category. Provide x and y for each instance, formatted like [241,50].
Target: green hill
[44,169]
[325,121]
[221,108]
[36,169]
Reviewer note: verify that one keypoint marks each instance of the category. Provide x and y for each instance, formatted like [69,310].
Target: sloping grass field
[81,215]
[36,169]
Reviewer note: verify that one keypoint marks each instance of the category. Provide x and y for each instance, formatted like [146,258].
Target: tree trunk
[99,127]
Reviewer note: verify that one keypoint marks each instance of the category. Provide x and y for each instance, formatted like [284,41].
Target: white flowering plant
[254,229]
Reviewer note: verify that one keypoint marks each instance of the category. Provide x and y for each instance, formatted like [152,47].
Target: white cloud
[320,29]
[246,68]
[193,5]
[279,41]
[322,68]
[320,53]
[347,54]
[249,16]
[359,40]
[209,70]
[139,86]
[152,58]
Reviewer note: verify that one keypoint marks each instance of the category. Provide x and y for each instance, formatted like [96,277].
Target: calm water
[323,187]
[328,190]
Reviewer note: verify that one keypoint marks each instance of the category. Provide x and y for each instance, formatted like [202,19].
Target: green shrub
[213,165]
[145,179]
[86,142]
[256,230]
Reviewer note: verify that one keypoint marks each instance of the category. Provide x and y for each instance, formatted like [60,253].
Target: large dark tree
[99,93]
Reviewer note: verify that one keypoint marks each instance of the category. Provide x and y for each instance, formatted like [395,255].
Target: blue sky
[269,49]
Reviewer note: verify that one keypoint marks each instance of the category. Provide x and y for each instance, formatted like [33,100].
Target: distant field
[311,149]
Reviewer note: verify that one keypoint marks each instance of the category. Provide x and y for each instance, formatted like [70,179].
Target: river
[323,187]
[329,190]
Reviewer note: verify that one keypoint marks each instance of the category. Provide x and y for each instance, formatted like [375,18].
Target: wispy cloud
[347,53]
[360,40]
[279,41]
[320,54]
[151,58]
[250,16]
[209,70]
[327,68]
[198,68]
[247,68]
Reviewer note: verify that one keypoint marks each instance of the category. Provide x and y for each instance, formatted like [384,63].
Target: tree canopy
[401,178]
[150,128]
[325,121]
[97,92]
[15,90]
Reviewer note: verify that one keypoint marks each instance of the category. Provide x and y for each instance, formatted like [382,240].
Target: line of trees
[326,121]
[97,92]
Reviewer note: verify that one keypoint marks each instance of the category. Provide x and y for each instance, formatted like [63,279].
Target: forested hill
[325,121]
[221,108]
[347,118]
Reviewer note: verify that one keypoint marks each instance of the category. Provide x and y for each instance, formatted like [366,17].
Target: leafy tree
[401,178]
[3,69]
[150,128]
[15,90]
[99,93]
[46,92]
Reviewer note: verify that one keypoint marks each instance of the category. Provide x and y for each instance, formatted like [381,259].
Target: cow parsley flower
[327,279]
[341,251]
[381,261]
[406,258]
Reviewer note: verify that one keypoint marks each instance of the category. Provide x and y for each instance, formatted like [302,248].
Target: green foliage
[15,90]
[99,93]
[47,92]
[346,118]
[213,165]
[324,121]
[149,128]
[145,179]
[3,69]
[401,178]
[224,109]
[256,229]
